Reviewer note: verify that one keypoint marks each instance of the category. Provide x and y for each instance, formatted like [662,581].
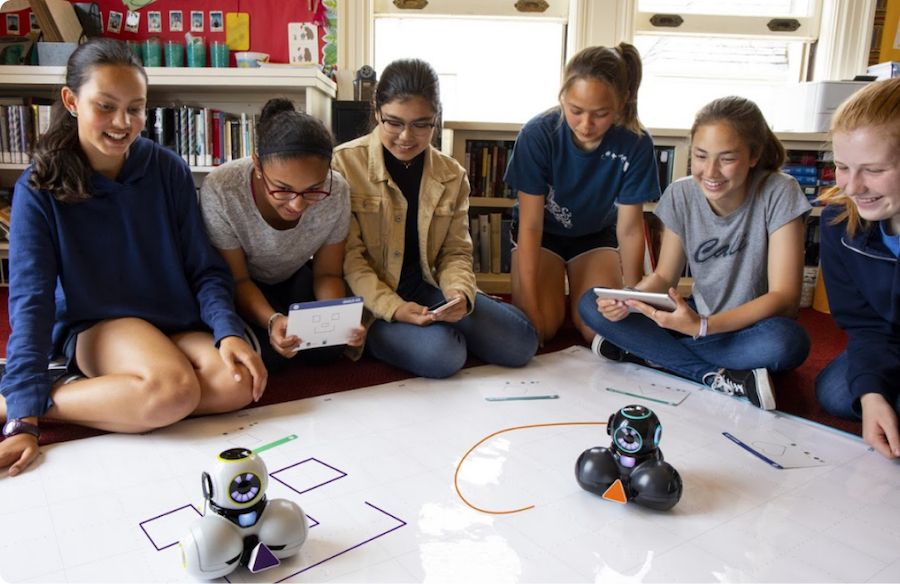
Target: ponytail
[619,68]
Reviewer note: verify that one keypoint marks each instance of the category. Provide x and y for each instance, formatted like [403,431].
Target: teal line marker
[274,444]
[639,396]
[521,397]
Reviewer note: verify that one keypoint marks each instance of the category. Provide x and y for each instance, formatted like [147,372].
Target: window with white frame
[694,51]
[494,65]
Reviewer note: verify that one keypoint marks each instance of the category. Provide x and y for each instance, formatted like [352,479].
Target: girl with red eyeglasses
[280,220]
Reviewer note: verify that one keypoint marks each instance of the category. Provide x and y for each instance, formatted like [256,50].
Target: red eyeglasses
[310,195]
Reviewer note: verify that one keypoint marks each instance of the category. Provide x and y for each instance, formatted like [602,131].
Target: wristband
[704,327]
[272,321]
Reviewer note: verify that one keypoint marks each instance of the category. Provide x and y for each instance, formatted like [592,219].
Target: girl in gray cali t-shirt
[738,224]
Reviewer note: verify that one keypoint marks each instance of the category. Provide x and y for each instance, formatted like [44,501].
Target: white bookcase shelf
[229,89]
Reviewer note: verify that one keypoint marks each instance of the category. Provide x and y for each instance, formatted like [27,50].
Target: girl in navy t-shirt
[582,172]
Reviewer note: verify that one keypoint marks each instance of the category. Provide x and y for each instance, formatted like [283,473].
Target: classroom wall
[268,21]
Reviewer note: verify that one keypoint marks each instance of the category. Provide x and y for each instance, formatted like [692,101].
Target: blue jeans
[776,343]
[494,331]
[833,391]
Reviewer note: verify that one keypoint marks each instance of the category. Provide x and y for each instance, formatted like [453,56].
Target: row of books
[20,126]
[813,170]
[486,164]
[202,136]
[492,246]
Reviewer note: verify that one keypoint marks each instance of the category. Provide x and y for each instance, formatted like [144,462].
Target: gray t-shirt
[728,256]
[273,255]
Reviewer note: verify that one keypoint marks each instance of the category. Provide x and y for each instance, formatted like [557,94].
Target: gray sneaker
[755,385]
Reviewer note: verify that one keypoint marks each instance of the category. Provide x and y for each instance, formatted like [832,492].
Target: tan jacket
[374,254]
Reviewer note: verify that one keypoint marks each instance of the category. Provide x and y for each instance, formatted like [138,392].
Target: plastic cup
[196,53]
[136,49]
[152,55]
[218,54]
[174,54]
[12,55]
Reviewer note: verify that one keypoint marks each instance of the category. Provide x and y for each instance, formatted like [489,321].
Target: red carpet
[795,389]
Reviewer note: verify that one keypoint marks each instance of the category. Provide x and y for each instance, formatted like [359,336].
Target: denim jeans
[833,391]
[494,331]
[776,343]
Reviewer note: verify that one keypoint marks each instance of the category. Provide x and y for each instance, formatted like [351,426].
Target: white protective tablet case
[323,323]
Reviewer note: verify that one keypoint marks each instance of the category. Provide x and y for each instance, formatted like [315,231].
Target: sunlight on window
[491,69]
[781,8]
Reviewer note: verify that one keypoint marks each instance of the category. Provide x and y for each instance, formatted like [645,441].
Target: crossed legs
[140,379]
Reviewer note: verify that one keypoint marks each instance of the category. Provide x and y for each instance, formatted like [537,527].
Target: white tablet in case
[323,323]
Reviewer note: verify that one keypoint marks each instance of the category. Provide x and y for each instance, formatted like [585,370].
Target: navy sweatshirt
[137,248]
[863,284]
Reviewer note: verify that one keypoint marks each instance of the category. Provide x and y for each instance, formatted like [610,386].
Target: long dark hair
[618,67]
[60,165]
[406,78]
[284,133]
[750,124]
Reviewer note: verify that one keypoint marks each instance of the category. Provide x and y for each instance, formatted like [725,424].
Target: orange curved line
[488,437]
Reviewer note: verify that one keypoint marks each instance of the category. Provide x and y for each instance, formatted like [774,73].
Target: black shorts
[568,248]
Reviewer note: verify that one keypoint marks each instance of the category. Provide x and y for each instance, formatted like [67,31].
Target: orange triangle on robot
[616,492]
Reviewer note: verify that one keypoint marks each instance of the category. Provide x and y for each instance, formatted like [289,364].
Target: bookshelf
[230,90]
[674,142]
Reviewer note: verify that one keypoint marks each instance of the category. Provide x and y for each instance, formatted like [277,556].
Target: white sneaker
[595,345]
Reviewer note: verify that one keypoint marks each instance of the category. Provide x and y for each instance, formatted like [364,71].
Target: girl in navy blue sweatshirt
[860,230]
[111,269]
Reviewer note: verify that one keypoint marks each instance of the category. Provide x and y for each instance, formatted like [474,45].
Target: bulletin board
[268,21]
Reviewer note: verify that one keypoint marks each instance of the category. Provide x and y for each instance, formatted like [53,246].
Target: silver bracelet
[272,321]
[704,327]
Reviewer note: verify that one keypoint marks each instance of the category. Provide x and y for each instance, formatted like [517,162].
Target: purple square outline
[342,475]
[141,525]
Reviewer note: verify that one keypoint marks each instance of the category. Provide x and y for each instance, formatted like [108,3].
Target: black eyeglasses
[310,195]
[396,127]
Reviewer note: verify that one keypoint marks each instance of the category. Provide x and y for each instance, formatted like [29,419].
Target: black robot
[632,468]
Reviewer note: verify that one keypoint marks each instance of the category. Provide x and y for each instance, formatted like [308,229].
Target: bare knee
[223,393]
[169,395]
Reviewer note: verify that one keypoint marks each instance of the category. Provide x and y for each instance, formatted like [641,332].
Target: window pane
[491,69]
[682,74]
[718,57]
[799,8]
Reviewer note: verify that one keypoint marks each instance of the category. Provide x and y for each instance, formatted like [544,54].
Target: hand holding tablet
[325,322]
[655,299]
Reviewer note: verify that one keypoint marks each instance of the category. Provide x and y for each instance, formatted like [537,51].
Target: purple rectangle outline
[382,534]
[273,473]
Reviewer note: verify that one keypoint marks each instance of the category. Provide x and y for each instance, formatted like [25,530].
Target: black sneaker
[604,348]
[755,385]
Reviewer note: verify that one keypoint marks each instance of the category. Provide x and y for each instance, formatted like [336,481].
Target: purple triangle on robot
[262,558]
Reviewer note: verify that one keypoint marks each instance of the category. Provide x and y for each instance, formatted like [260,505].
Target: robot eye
[628,439]
[657,435]
[245,487]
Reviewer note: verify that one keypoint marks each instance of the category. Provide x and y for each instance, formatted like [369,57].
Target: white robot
[240,526]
